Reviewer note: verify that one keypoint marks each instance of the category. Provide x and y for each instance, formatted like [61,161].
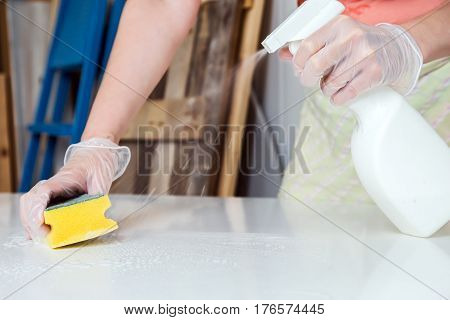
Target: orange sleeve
[393,11]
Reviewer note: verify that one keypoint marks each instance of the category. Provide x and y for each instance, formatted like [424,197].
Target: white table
[210,248]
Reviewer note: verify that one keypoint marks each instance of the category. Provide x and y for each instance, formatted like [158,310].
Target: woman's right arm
[149,33]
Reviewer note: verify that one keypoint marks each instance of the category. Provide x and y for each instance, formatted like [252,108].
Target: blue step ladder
[75,49]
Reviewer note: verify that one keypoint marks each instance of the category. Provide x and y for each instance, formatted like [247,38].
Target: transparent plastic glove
[89,167]
[347,58]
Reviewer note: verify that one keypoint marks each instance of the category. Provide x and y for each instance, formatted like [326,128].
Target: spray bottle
[401,161]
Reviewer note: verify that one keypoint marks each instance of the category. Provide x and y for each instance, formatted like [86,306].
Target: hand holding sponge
[90,167]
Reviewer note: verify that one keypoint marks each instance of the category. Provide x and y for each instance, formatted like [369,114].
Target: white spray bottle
[401,161]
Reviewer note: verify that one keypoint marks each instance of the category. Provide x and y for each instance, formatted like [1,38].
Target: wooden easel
[7,153]
[183,99]
[240,101]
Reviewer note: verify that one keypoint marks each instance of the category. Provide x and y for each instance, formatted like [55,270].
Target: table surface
[213,248]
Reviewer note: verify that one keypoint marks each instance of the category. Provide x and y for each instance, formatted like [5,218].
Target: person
[374,43]
[150,32]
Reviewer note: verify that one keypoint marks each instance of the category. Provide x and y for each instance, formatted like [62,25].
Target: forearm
[149,33]
[432,33]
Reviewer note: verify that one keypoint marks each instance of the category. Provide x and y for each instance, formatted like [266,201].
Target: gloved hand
[89,167]
[348,57]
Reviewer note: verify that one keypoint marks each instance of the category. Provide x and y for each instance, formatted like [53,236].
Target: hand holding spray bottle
[401,161]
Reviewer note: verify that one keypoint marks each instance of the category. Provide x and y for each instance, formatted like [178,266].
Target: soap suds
[17,241]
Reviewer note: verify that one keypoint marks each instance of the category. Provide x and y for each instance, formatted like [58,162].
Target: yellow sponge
[77,220]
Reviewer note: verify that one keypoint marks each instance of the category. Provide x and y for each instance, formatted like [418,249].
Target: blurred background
[53,53]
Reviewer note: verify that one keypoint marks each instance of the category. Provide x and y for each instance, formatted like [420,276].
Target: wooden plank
[240,100]
[200,52]
[215,35]
[220,60]
[163,161]
[6,150]
[164,157]
[4,48]
[224,28]
[54,5]
[170,119]
[248,3]
[178,73]
[7,141]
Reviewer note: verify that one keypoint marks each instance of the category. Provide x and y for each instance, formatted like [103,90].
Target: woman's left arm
[432,33]
[347,57]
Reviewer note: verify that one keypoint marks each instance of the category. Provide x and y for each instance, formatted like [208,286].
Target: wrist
[402,58]
[87,135]
[420,38]
[104,147]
